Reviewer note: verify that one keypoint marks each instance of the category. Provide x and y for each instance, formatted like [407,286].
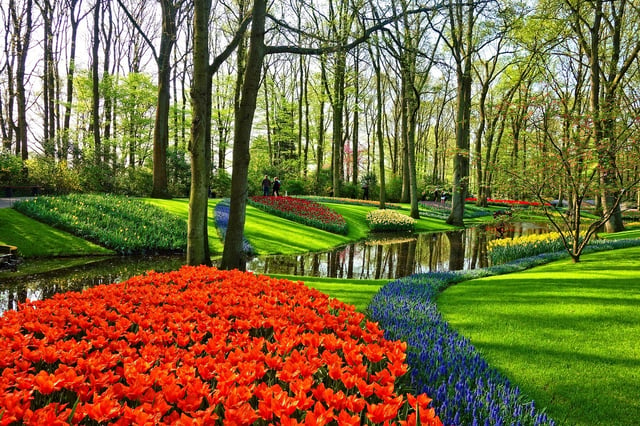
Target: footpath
[6,203]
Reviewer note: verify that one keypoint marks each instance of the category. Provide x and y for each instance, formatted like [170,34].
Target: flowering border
[302,211]
[205,345]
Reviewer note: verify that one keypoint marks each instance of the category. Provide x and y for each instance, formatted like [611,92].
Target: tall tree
[21,40]
[170,10]
[197,241]
[607,36]
[95,79]
[233,256]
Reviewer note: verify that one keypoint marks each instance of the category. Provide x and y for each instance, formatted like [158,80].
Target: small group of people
[266,186]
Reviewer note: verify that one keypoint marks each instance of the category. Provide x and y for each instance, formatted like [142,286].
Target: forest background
[501,99]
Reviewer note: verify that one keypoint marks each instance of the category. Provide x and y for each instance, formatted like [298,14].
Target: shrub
[10,167]
[389,220]
[56,178]
[135,181]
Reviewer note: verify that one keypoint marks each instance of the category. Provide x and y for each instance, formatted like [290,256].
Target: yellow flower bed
[508,249]
[389,220]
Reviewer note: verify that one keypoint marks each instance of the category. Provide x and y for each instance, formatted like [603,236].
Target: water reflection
[394,256]
[43,286]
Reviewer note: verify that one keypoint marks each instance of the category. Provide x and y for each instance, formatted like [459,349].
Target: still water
[393,256]
[380,256]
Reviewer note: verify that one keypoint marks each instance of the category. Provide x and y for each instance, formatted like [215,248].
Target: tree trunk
[338,108]
[379,135]
[233,256]
[95,108]
[63,153]
[22,49]
[197,235]
[161,126]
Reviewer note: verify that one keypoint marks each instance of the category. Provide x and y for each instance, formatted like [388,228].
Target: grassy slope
[180,208]
[566,333]
[35,239]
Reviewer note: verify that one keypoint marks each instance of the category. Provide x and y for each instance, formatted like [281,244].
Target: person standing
[276,187]
[266,185]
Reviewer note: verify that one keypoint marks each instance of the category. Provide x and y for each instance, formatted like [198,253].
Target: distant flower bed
[508,203]
[355,201]
[302,211]
[389,220]
[508,249]
[123,224]
[201,346]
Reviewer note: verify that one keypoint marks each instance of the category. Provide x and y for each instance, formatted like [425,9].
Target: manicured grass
[35,239]
[351,291]
[632,231]
[180,208]
[566,333]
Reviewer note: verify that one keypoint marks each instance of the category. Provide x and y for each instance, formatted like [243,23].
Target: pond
[379,257]
[393,256]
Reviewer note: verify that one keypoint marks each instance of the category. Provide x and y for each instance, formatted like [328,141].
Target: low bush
[389,221]
[302,211]
[125,225]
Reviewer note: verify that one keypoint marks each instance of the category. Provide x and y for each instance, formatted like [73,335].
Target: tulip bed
[200,345]
[507,203]
[389,220]
[123,224]
[507,249]
[302,211]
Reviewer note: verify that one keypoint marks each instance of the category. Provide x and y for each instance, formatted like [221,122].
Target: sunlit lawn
[355,292]
[566,333]
[35,239]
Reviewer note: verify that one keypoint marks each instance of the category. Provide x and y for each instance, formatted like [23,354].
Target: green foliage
[55,178]
[122,224]
[349,190]
[10,167]
[179,173]
[221,184]
[296,186]
[394,189]
[134,181]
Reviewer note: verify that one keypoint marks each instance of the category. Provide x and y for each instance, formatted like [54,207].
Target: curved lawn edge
[444,364]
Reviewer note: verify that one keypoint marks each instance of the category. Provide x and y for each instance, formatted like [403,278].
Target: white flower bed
[389,220]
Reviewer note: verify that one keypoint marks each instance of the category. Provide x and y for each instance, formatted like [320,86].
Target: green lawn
[180,207]
[567,334]
[35,239]
[355,292]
